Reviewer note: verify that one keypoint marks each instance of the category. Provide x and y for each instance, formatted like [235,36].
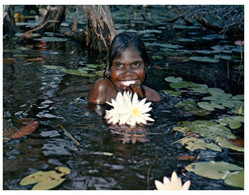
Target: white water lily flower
[174,184]
[127,111]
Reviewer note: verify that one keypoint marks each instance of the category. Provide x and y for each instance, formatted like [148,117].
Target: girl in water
[126,71]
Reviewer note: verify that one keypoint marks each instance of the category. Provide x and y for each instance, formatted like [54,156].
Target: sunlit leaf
[209,129]
[224,143]
[193,143]
[235,179]
[212,169]
[234,122]
[46,180]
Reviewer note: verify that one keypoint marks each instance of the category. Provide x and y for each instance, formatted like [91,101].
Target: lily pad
[172,79]
[234,122]
[238,97]
[235,179]
[209,129]
[210,106]
[179,85]
[212,169]
[46,180]
[203,59]
[171,92]
[191,107]
[215,90]
[193,143]
[199,88]
[224,143]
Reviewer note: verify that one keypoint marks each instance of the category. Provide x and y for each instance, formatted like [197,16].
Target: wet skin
[127,74]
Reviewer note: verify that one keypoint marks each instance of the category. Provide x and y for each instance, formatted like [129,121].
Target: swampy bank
[198,73]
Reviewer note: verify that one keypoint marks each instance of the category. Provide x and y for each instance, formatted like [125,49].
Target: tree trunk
[9,25]
[55,13]
[100,28]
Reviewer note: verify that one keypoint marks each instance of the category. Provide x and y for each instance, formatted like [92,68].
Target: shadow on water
[52,97]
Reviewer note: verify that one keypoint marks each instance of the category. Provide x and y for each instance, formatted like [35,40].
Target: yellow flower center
[136,112]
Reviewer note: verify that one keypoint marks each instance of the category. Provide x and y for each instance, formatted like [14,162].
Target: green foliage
[193,143]
[89,70]
[219,170]
[203,59]
[46,180]
[235,179]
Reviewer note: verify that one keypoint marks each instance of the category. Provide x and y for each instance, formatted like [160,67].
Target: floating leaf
[224,143]
[234,122]
[172,79]
[218,97]
[215,90]
[191,107]
[171,92]
[46,180]
[193,143]
[238,97]
[199,88]
[208,129]
[179,85]
[157,57]
[212,169]
[183,130]
[232,104]
[210,106]
[203,59]
[235,179]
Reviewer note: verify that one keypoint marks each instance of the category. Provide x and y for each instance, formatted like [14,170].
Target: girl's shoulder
[100,92]
[151,94]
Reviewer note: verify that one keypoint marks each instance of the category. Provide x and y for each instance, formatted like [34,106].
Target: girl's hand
[135,88]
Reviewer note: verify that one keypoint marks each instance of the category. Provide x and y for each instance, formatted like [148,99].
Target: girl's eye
[119,65]
[136,64]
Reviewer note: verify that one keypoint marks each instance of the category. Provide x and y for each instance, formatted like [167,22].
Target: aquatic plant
[128,110]
[174,184]
[46,180]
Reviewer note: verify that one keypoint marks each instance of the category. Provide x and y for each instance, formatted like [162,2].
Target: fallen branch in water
[70,135]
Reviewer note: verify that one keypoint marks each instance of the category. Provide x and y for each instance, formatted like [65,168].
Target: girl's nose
[128,71]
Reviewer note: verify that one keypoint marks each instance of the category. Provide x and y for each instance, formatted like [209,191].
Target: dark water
[30,90]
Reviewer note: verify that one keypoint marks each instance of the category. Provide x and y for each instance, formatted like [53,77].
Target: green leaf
[211,130]
[212,169]
[238,97]
[199,88]
[203,59]
[222,142]
[235,179]
[193,143]
[46,180]
[179,85]
[171,92]
[191,107]
[215,90]
[210,106]
[172,79]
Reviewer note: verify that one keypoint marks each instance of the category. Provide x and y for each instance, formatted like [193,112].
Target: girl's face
[127,69]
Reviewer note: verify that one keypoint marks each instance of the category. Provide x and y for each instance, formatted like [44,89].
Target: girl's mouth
[127,83]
